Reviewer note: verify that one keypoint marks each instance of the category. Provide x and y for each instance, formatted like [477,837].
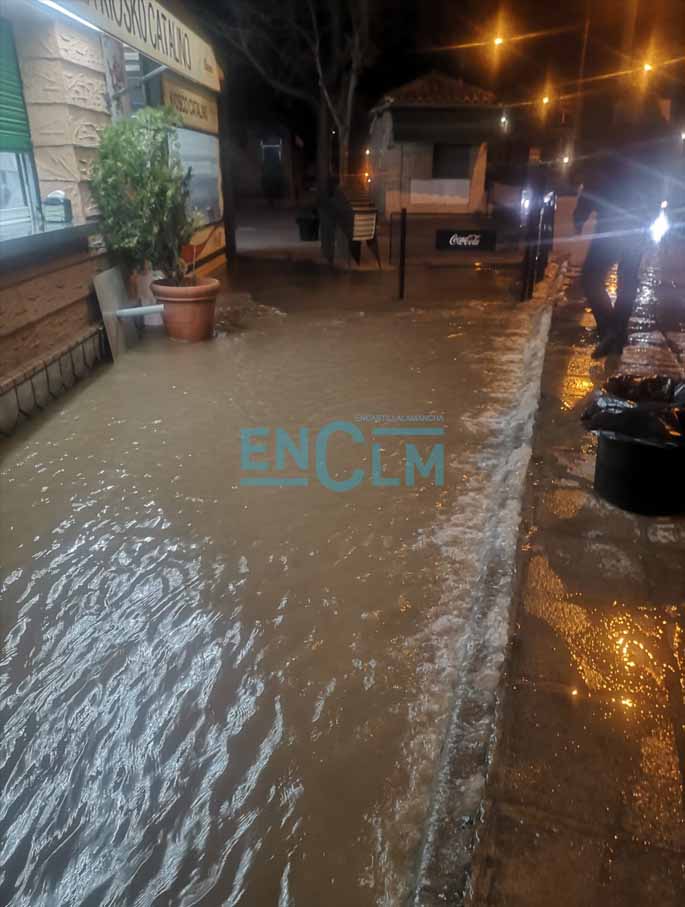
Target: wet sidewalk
[584,804]
[216,691]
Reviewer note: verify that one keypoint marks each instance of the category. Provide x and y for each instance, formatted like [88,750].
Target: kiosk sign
[148,27]
[196,110]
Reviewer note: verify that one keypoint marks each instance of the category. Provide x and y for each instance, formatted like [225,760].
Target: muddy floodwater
[215,693]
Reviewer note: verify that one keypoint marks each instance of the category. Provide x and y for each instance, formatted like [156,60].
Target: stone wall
[43,307]
[49,334]
[63,74]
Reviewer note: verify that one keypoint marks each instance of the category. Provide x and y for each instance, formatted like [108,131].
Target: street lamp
[545,99]
[499,40]
[648,67]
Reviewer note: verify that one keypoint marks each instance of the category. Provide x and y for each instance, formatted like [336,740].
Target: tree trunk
[323,152]
[344,152]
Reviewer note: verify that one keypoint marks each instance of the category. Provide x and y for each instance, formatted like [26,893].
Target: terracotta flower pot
[188,309]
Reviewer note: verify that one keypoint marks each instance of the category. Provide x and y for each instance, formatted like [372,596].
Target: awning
[460,126]
[148,27]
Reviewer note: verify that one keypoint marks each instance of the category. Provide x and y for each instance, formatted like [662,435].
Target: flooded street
[216,693]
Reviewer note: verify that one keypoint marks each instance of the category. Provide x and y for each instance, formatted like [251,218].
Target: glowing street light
[545,99]
[648,67]
[565,159]
[499,40]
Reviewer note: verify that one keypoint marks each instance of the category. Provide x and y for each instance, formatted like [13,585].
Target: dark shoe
[620,341]
[609,345]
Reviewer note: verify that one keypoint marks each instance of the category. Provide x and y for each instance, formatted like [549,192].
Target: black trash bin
[641,476]
[309,226]
[640,462]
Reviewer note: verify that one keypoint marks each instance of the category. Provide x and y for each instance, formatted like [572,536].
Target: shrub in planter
[143,193]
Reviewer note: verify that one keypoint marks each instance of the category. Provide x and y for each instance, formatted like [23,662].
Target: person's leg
[627,285]
[601,257]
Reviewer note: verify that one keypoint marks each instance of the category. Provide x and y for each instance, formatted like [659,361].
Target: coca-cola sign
[465,240]
[471,239]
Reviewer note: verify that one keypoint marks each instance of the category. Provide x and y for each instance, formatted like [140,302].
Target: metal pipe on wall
[140,310]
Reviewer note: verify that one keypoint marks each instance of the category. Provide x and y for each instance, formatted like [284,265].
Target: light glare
[659,228]
[65,12]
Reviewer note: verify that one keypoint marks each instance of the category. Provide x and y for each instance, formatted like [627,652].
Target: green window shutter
[14,124]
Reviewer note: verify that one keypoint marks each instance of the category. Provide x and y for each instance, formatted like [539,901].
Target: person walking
[624,186]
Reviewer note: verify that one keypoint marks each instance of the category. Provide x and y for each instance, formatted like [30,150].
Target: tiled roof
[438,90]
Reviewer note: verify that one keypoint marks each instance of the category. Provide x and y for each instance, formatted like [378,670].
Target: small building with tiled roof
[440,91]
[427,149]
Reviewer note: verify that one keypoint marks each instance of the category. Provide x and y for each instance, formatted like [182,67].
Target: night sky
[408,35]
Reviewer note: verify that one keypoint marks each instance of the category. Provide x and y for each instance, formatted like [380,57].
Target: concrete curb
[459,785]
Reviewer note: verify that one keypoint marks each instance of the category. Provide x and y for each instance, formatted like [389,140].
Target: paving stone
[666,576]
[641,877]
[562,756]
[583,513]
[586,570]
[535,864]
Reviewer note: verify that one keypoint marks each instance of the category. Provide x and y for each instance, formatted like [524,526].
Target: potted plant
[143,193]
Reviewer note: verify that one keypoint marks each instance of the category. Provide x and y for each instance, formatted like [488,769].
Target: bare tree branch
[311,50]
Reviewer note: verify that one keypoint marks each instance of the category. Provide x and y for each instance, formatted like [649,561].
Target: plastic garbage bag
[665,426]
[641,389]
[649,409]
[600,404]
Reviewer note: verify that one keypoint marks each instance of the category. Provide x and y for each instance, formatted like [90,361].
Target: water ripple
[116,679]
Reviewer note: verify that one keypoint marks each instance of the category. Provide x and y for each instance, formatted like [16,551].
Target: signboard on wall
[465,240]
[196,109]
[146,26]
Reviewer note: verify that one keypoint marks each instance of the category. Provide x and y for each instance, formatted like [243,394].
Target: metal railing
[538,240]
[431,237]
[29,399]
